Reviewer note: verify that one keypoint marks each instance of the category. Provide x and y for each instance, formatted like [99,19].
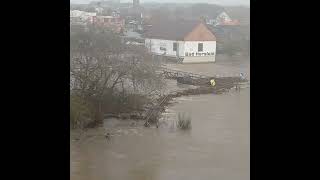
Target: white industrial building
[191,41]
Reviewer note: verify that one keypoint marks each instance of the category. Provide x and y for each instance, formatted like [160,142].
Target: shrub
[184,122]
[124,103]
[81,112]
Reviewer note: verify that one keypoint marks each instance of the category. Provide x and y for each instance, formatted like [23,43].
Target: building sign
[199,54]
[163,46]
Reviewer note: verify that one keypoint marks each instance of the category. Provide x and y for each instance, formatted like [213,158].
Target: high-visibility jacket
[212,82]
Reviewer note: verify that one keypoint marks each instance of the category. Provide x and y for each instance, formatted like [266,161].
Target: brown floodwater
[217,146]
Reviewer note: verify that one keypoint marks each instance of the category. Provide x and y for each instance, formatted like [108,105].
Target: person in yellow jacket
[212,82]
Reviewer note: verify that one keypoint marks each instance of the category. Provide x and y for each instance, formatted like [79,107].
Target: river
[217,147]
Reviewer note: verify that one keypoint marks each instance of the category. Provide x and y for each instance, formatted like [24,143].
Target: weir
[220,85]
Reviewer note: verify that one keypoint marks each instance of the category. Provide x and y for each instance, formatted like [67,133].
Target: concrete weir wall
[207,59]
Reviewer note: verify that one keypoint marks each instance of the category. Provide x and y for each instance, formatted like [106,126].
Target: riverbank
[178,86]
[192,86]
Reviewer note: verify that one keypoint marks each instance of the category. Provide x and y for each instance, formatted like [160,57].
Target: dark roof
[171,30]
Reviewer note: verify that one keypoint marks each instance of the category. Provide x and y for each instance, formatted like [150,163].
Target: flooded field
[217,146]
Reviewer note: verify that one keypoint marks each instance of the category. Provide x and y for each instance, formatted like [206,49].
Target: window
[175,45]
[200,47]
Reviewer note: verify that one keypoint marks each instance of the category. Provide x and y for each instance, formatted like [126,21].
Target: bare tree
[101,65]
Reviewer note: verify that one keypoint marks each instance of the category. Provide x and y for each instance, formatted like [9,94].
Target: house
[191,41]
[221,18]
[115,14]
[224,19]
[83,16]
[115,24]
[240,12]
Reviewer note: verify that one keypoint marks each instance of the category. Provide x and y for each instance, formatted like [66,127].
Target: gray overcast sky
[221,2]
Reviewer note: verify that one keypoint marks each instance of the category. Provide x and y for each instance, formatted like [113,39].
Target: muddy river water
[217,146]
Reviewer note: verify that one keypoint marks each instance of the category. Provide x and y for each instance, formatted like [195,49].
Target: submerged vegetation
[184,121]
[81,112]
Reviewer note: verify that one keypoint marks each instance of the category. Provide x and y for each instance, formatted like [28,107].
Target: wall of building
[187,49]
[159,47]
[193,55]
